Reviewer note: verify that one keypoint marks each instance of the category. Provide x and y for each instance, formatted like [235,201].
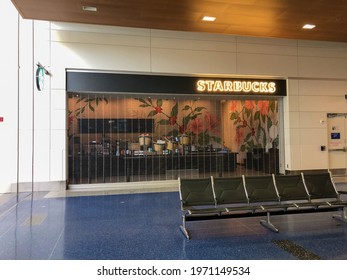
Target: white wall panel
[313,120]
[58,81]
[58,119]
[25,104]
[322,60]
[58,155]
[41,155]
[337,160]
[287,133]
[185,52]
[313,137]
[94,56]
[294,119]
[293,87]
[293,101]
[267,46]
[58,100]
[295,158]
[25,157]
[267,49]
[42,43]
[265,56]
[193,45]
[287,157]
[293,136]
[268,65]
[322,67]
[42,110]
[157,33]
[186,61]
[323,104]
[286,123]
[313,158]
[64,36]
[26,101]
[323,87]
[8,95]
[104,29]
[322,49]
[266,41]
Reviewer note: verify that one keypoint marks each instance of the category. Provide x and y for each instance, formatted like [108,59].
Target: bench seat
[247,196]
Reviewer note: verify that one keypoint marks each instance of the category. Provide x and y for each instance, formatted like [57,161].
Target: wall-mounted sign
[230,86]
[81,81]
[40,78]
[335,135]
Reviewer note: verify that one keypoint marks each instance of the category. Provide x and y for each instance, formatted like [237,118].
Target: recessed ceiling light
[308,26]
[89,9]
[208,18]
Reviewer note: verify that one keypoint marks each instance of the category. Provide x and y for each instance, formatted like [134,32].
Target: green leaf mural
[196,122]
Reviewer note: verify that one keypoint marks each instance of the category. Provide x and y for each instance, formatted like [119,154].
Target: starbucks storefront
[138,127]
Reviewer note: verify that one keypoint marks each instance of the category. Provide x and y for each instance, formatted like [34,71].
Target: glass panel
[116,138]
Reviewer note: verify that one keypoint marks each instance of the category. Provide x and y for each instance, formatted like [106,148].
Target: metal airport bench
[250,196]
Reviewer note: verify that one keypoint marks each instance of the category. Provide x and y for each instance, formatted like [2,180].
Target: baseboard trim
[159,185]
[41,186]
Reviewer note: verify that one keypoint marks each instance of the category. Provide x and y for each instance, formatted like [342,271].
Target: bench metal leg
[183,227]
[342,217]
[267,223]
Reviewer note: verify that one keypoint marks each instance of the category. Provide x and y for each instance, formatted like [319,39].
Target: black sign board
[163,84]
[124,125]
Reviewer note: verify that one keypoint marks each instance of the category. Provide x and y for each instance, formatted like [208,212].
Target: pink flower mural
[255,123]
[196,126]
[234,106]
[263,106]
[249,104]
[212,123]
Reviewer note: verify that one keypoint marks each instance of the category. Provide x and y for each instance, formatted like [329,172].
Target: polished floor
[145,226]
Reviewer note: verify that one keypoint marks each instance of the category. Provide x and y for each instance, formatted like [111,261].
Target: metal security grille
[124,138]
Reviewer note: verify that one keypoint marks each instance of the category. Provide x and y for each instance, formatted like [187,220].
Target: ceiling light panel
[89,9]
[208,18]
[308,26]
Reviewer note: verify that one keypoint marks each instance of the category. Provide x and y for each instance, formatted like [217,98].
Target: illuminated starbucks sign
[229,86]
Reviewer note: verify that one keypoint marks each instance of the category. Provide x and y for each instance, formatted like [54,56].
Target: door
[337,143]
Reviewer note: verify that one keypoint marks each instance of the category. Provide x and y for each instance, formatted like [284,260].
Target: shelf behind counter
[91,168]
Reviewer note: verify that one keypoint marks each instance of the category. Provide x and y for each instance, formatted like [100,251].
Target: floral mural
[255,123]
[192,120]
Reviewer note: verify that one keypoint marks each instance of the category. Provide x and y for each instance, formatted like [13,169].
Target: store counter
[87,168]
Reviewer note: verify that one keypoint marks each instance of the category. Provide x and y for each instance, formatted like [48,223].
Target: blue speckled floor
[146,226]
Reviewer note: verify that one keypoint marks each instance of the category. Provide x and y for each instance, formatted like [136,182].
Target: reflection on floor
[146,226]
